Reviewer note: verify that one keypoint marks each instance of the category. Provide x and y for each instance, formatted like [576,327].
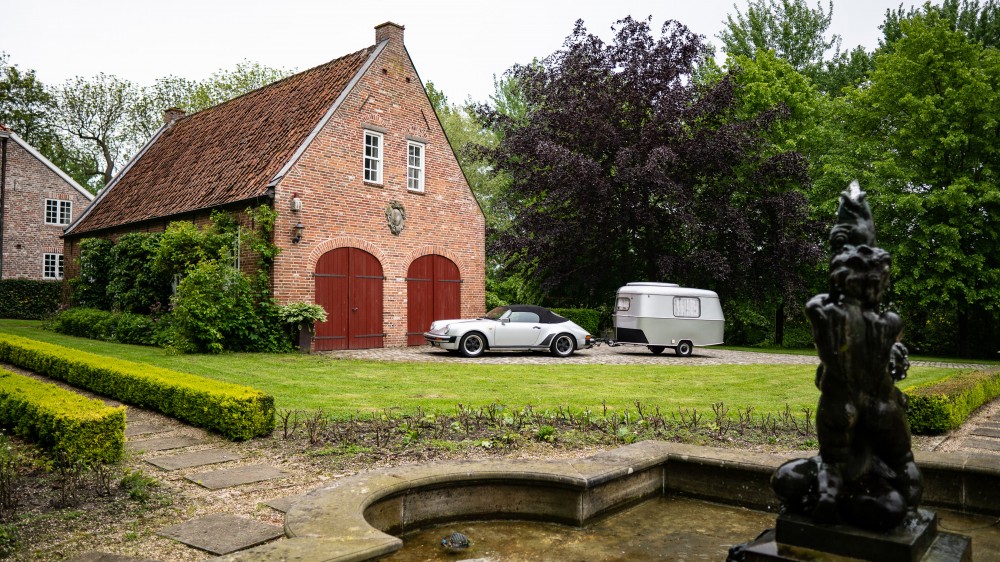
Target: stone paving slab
[193,459]
[229,477]
[222,534]
[990,424]
[285,503]
[145,428]
[988,444]
[106,557]
[162,444]
[986,432]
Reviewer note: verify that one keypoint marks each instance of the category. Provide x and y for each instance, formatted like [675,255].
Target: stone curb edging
[350,519]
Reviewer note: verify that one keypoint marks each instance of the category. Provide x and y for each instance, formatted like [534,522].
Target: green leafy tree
[927,126]
[980,21]
[790,28]
[27,108]
[99,116]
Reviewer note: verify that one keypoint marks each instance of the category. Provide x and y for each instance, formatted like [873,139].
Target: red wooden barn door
[433,292]
[349,287]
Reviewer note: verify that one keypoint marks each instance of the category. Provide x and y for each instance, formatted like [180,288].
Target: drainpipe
[4,135]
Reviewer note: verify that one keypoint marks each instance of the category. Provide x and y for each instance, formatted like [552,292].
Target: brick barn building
[376,221]
[37,202]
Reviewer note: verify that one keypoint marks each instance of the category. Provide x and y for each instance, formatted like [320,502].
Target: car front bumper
[443,342]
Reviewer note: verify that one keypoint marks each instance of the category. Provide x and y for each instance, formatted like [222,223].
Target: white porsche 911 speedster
[516,327]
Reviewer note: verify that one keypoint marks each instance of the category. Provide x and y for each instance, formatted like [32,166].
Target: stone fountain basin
[357,518]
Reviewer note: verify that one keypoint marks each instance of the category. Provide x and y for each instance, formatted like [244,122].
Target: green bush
[29,300]
[945,404]
[588,318]
[83,429]
[215,311]
[90,287]
[85,323]
[134,284]
[237,412]
[121,327]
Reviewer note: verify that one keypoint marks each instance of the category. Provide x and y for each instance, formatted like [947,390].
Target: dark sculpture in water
[864,474]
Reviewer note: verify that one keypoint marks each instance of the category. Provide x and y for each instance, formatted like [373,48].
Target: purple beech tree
[627,167]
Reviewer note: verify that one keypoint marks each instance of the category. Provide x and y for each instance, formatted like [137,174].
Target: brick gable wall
[26,236]
[339,209]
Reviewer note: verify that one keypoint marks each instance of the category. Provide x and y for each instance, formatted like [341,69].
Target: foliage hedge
[945,404]
[121,327]
[588,318]
[81,428]
[237,412]
[29,300]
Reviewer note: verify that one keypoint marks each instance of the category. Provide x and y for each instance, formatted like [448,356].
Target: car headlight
[440,330]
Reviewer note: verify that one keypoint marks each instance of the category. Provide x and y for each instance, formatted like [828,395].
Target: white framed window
[624,303]
[53,266]
[373,157]
[414,166]
[58,211]
[687,307]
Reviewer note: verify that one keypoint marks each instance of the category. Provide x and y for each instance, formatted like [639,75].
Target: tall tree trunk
[779,323]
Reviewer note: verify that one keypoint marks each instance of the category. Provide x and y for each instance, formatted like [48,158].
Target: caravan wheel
[684,349]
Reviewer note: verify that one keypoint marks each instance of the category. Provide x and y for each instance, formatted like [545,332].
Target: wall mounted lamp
[296,203]
[297,232]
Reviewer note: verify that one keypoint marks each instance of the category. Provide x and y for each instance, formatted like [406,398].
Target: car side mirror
[504,320]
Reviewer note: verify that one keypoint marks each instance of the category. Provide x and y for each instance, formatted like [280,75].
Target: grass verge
[346,387]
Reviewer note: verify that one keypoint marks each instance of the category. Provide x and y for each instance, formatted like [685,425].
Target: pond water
[670,528]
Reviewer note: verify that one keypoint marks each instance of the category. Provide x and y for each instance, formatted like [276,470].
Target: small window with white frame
[58,211]
[415,166]
[373,157]
[53,266]
[624,303]
[687,307]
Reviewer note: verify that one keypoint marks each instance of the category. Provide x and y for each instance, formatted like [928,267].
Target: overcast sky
[457,44]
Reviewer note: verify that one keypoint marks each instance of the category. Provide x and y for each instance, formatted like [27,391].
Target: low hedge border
[587,318]
[237,412]
[945,404]
[83,429]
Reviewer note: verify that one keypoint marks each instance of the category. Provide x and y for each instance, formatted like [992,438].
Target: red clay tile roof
[224,154]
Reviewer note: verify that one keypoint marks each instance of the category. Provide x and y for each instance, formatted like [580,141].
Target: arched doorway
[433,292]
[349,287]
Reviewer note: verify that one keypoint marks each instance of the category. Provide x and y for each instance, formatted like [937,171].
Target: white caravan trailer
[662,315]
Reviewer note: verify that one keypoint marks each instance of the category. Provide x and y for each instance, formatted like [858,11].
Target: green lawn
[343,387]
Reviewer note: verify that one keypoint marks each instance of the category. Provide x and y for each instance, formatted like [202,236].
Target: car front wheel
[684,349]
[563,345]
[473,344]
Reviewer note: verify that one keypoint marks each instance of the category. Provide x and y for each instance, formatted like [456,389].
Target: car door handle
[354,310]
[536,327]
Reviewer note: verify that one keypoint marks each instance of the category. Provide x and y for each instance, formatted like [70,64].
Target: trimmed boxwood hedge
[81,428]
[237,412]
[29,300]
[945,404]
[588,318]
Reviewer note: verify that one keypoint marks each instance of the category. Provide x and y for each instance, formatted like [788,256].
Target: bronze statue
[864,474]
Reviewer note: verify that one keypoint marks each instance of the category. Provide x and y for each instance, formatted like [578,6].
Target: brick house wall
[340,209]
[30,180]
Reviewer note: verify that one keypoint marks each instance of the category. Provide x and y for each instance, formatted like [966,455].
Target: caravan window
[624,303]
[687,307]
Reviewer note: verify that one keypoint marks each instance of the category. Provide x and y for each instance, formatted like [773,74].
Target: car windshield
[497,313]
